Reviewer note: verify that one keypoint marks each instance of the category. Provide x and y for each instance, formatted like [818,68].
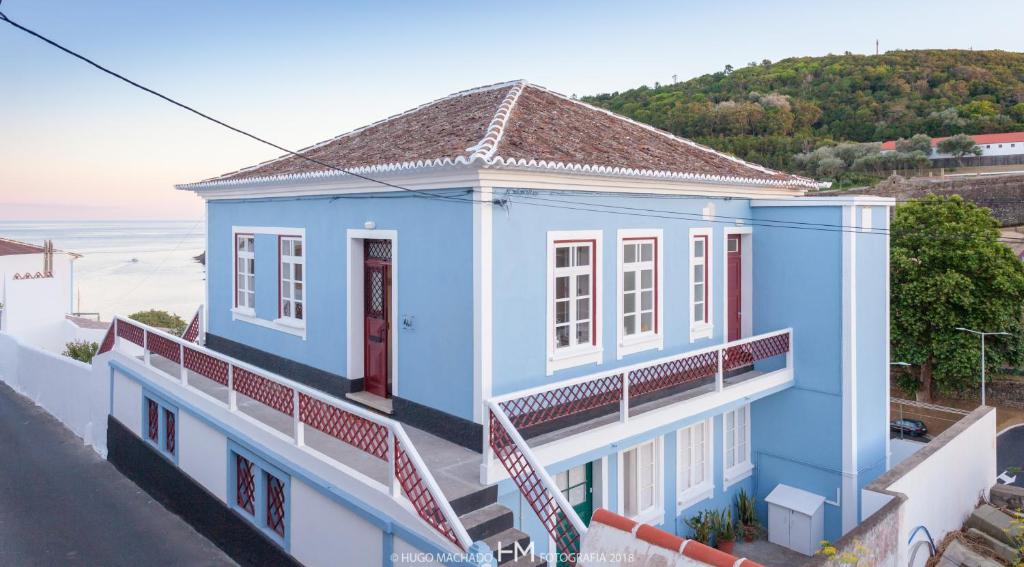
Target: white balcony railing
[410,481]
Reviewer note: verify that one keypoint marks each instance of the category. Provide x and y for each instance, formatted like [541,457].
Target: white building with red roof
[1003,144]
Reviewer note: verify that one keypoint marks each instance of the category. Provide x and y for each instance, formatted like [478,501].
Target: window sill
[693,496]
[702,331]
[563,360]
[654,517]
[736,474]
[290,323]
[632,345]
[277,324]
[243,312]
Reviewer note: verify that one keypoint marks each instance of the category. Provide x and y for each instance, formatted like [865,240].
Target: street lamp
[982,336]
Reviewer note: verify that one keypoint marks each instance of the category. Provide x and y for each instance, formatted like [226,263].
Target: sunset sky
[77,144]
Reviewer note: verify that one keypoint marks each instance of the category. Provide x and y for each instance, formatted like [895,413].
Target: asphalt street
[62,504]
[1010,452]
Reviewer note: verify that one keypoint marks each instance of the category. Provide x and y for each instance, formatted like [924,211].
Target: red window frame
[707,271]
[655,239]
[593,285]
[234,268]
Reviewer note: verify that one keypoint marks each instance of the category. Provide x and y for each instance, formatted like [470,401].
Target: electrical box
[796,519]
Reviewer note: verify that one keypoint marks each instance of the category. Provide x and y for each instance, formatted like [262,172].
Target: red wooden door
[734,292]
[377,313]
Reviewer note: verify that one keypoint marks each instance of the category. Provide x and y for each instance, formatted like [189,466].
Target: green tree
[83,351]
[160,319]
[959,146]
[916,143]
[950,270]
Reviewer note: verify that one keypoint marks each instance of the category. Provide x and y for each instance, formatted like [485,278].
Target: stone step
[487,521]
[503,544]
[475,500]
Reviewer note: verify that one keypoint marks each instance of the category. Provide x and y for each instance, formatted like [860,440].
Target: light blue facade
[801,278]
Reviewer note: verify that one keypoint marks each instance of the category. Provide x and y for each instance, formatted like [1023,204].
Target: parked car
[912,427]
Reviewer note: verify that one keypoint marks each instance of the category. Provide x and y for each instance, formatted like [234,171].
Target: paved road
[1010,452]
[61,504]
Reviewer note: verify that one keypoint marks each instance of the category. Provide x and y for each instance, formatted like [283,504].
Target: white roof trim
[486,152]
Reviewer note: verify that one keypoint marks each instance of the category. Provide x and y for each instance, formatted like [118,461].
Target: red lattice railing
[550,405]
[130,332]
[672,373]
[191,333]
[108,339]
[748,353]
[359,432]
[164,347]
[539,496]
[206,365]
[263,390]
[418,492]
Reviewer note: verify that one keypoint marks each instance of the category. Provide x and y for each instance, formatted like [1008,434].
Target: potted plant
[725,531]
[749,526]
[701,526]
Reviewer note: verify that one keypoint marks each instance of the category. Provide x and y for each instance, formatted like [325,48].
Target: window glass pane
[629,281]
[561,312]
[562,480]
[629,324]
[562,287]
[252,283]
[252,266]
[582,256]
[629,253]
[297,269]
[241,299]
[647,251]
[698,273]
[578,475]
[646,322]
[562,257]
[241,265]
[241,282]
[582,333]
[647,279]
[698,248]
[629,303]
[252,299]
[629,482]
[298,290]
[583,285]
[241,244]
[562,336]
[646,300]
[286,308]
[577,495]
[734,244]
[298,310]
[582,309]
[286,247]
[297,248]
[698,292]
[698,312]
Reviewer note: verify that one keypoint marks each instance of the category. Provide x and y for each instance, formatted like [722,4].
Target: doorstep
[374,402]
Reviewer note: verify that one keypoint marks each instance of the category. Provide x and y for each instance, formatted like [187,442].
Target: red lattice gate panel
[557,524]
[206,365]
[192,332]
[131,333]
[672,373]
[275,504]
[746,354]
[347,427]
[561,402]
[263,390]
[108,340]
[169,427]
[152,420]
[245,484]
[417,492]
[164,347]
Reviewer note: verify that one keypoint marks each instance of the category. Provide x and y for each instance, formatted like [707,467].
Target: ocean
[127,266]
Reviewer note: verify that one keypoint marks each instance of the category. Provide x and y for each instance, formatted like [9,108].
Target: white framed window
[641,480]
[640,292]
[292,298]
[695,464]
[245,272]
[574,291]
[701,285]
[736,445]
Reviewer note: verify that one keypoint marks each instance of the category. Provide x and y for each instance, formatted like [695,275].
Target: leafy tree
[917,143]
[959,146]
[161,319]
[83,351]
[949,270]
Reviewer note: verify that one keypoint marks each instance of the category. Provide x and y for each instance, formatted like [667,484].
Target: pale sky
[77,144]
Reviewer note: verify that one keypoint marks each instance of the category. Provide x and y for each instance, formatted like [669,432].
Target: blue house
[582,310]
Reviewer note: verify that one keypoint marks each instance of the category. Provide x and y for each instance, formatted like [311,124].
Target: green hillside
[767,112]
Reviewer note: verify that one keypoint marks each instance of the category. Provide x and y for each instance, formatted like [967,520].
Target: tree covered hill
[767,112]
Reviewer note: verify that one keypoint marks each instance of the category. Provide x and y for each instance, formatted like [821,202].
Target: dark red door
[377,310]
[734,292]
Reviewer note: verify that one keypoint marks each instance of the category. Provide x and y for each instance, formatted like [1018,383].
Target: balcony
[573,417]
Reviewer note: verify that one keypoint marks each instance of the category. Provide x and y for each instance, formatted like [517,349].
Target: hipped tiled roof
[512,125]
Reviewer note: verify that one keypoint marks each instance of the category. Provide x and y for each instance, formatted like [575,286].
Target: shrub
[83,351]
[160,319]
[701,524]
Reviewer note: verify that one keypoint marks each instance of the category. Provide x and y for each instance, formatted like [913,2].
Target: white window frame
[688,496]
[654,514]
[655,339]
[701,329]
[283,280]
[742,465]
[575,355]
[252,317]
[244,255]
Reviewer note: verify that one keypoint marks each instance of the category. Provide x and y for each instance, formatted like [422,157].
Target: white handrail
[625,370]
[393,426]
[541,472]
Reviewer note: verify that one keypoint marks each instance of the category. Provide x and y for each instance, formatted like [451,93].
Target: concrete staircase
[493,523]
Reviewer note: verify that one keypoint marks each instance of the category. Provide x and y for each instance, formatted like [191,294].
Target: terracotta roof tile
[14,247]
[513,125]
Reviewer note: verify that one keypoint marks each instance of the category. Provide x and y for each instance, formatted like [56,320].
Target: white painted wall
[34,313]
[32,263]
[944,489]
[197,456]
[317,539]
[73,392]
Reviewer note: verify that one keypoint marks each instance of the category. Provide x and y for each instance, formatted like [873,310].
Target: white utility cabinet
[796,519]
